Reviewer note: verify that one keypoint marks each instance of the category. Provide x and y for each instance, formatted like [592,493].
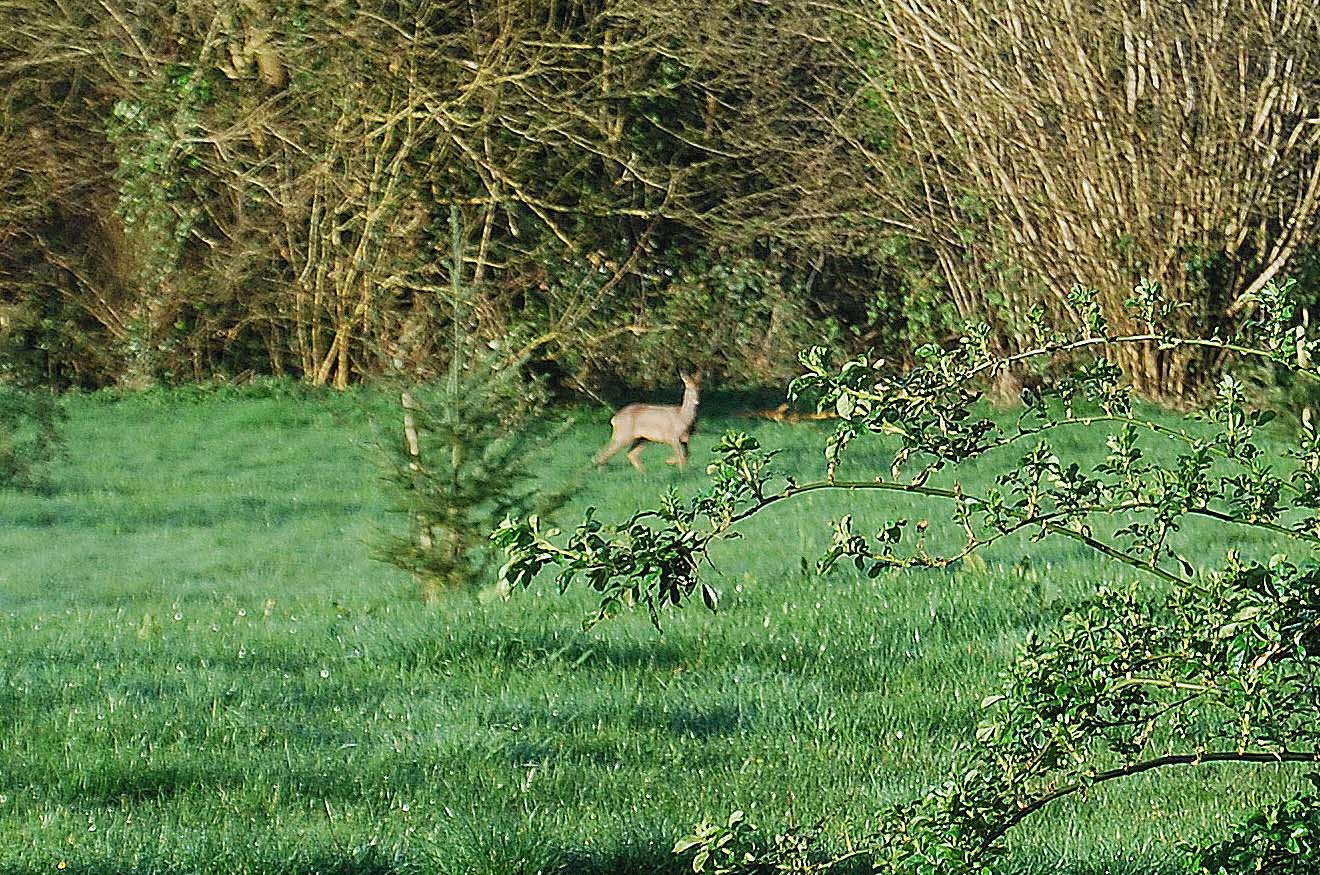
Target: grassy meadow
[205,670]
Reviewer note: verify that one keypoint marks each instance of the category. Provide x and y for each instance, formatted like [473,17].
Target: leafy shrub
[1210,665]
[1282,840]
[471,469]
[460,462]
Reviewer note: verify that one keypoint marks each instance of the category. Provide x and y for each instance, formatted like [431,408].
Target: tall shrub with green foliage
[460,454]
[474,438]
[1193,663]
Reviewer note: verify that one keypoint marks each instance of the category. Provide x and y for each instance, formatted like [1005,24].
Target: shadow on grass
[546,648]
[1135,866]
[111,787]
[490,850]
[128,518]
[718,719]
[633,857]
[364,860]
[604,734]
[656,858]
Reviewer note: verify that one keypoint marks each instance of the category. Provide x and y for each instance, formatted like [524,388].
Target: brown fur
[637,424]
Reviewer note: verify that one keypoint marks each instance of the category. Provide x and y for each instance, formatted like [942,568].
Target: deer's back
[651,421]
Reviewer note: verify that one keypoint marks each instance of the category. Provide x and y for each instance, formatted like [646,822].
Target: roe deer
[636,424]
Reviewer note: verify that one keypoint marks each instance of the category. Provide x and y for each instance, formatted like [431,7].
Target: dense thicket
[216,186]
[220,185]
[1108,143]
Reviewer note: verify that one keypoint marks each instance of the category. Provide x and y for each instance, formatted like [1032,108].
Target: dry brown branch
[1169,141]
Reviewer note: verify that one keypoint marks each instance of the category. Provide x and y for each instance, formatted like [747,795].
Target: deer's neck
[691,398]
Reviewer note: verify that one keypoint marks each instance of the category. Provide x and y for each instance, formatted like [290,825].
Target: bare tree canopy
[1102,143]
[211,186]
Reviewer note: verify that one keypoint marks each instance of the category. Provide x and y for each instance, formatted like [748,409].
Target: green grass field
[204,670]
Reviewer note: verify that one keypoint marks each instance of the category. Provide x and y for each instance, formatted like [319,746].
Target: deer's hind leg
[616,443]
